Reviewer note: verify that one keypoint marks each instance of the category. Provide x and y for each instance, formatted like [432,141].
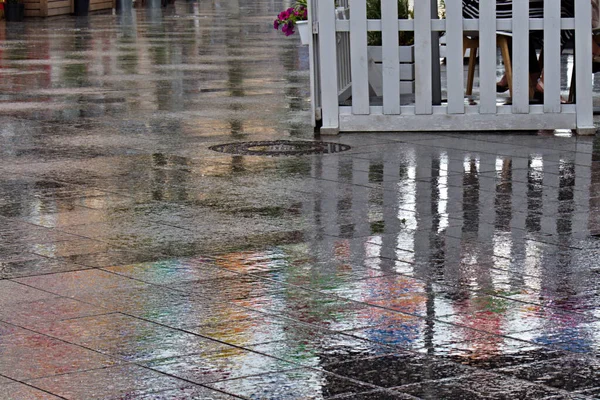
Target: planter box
[50,8]
[407,69]
[304,32]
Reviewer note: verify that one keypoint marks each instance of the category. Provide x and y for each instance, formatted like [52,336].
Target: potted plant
[293,17]
[374,51]
[14,10]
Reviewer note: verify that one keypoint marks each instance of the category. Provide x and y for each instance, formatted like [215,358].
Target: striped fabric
[536,10]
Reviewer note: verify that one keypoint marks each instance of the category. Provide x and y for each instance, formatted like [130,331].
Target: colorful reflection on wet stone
[136,263]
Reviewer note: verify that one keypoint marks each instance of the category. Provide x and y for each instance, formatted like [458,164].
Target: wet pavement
[136,263]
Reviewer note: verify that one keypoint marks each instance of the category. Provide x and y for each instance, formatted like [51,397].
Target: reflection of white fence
[339,62]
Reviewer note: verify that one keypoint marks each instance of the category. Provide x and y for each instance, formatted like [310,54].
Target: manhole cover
[280,148]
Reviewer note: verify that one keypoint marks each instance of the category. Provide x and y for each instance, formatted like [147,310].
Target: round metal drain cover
[280,148]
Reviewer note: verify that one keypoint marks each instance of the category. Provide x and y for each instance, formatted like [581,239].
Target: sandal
[501,88]
[538,94]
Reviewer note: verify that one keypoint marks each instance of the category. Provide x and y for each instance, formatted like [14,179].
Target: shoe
[538,95]
[501,88]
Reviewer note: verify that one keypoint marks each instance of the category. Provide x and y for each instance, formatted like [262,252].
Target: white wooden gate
[339,62]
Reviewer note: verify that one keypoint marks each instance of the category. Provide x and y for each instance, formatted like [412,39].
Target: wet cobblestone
[136,263]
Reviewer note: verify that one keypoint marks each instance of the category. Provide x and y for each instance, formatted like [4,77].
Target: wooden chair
[471,42]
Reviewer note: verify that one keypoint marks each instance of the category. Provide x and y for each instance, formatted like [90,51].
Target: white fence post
[454,57]
[583,67]
[487,57]
[423,59]
[520,58]
[552,57]
[312,60]
[390,57]
[358,56]
[328,67]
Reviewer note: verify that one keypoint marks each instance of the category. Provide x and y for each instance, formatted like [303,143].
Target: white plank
[552,56]
[407,72]
[328,67]
[503,24]
[390,56]
[314,86]
[312,57]
[520,57]
[583,66]
[346,68]
[487,57]
[455,122]
[358,56]
[405,53]
[423,92]
[534,109]
[455,57]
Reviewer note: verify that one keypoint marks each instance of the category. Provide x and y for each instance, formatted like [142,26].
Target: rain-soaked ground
[135,263]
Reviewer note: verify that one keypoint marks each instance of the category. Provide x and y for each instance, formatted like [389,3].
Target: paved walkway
[135,263]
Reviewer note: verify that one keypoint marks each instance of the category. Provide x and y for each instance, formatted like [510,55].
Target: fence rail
[342,96]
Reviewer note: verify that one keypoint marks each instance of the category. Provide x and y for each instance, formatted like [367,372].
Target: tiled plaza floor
[135,263]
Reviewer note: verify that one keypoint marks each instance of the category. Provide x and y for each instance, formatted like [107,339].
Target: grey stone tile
[126,338]
[570,373]
[14,292]
[52,357]
[219,365]
[24,392]
[293,384]
[120,381]
[397,369]
[479,386]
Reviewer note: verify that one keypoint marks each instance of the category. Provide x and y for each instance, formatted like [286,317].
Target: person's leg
[534,66]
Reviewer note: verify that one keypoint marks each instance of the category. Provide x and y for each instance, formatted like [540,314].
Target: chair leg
[503,44]
[471,73]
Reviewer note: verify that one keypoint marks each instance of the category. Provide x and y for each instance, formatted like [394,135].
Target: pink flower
[290,29]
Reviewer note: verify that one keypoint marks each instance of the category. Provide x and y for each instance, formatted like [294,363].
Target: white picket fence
[340,63]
